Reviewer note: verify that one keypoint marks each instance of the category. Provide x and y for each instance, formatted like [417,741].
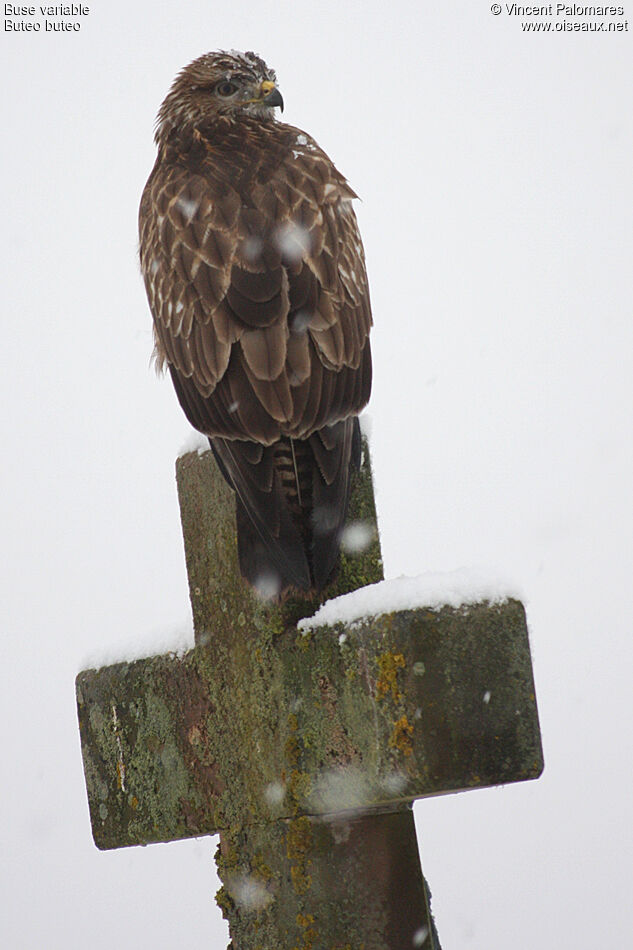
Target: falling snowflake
[357,536]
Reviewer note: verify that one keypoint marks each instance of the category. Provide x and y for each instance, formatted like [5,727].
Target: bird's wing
[258,290]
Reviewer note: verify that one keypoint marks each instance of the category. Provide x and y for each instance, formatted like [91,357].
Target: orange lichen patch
[299,787]
[291,750]
[299,838]
[401,736]
[301,880]
[298,847]
[261,870]
[310,933]
[387,682]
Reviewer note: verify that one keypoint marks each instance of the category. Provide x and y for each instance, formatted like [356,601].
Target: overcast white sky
[494,167]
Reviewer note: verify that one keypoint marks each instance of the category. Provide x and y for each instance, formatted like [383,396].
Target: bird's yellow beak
[270,95]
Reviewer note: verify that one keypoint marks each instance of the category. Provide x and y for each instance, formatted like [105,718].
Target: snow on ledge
[175,639]
[195,442]
[451,589]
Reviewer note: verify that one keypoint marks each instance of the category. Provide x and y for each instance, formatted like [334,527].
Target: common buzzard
[255,274]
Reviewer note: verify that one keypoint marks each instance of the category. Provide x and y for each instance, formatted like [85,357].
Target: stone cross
[304,748]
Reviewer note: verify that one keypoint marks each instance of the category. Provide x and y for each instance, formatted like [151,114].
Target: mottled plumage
[256,280]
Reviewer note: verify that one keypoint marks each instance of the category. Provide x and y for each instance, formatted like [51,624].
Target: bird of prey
[256,280]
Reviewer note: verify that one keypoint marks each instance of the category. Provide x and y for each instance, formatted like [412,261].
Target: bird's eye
[225,88]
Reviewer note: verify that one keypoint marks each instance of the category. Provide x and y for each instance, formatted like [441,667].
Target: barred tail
[291,505]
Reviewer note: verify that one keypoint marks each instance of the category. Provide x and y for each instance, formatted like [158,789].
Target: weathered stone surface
[305,749]
[344,882]
[162,738]
[139,724]
[271,726]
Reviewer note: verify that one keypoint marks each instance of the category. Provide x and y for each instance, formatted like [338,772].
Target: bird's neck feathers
[178,117]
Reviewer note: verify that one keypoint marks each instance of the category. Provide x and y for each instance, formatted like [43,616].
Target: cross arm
[393,708]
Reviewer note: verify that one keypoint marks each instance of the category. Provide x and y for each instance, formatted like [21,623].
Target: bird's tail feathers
[291,505]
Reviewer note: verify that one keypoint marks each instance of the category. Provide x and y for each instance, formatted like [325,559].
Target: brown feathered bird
[256,280]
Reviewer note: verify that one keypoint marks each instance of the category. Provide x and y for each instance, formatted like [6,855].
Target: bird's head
[220,84]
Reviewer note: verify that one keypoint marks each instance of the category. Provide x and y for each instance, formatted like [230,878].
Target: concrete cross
[304,749]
